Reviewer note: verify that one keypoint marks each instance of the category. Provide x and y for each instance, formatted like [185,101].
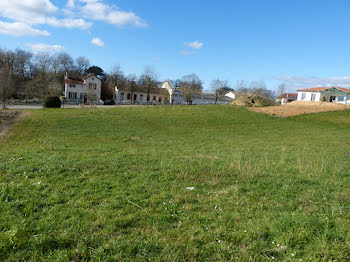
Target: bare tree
[281,89]
[131,85]
[82,64]
[90,95]
[6,77]
[148,79]
[242,86]
[217,87]
[38,86]
[255,87]
[66,62]
[189,85]
[116,77]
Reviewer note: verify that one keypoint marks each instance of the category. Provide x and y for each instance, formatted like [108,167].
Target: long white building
[167,94]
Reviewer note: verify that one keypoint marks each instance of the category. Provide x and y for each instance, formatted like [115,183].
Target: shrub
[52,102]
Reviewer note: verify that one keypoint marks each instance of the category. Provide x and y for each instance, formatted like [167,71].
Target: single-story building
[140,95]
[333,94]
[177,97]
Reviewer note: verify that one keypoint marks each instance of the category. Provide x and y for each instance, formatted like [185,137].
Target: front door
[331,98]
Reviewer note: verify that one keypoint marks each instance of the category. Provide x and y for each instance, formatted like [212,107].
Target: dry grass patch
[8,118]
[300,107]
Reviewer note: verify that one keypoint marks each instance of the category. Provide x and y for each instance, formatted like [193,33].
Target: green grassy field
[111,184]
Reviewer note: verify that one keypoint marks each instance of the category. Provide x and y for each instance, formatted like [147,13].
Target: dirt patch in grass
[300,107]
[8,118]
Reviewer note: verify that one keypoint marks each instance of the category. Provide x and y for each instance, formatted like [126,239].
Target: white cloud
[97,10]
[37,12]
[70,4]
[187,53]
[68,23]
[98,42]
[27,11]
[195,44]
[297,82]
[45,48]
[20,29]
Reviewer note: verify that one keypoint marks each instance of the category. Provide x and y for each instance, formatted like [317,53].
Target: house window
[72,85]
[148,98]
[160,99]
[121,97]
[92,86]
[141,98]
[128,96]
[81,96]
[303,95]
[72,95]
[135,97]
[313,97]
[340,98]
[93,78]
[154,98]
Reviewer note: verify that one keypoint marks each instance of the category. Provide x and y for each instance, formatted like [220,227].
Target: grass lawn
[111,184]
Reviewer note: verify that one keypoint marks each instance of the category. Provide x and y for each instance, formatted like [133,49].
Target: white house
[325,94]
[84,89]
[287,97]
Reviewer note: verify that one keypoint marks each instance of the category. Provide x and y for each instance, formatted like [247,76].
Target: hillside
[175,183]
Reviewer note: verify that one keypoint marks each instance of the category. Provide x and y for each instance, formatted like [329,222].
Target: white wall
[308,96]
[93,80]
[73,88]
[231,95]
[143,100]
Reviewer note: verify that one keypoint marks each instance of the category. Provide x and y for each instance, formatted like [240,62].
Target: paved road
[65,106]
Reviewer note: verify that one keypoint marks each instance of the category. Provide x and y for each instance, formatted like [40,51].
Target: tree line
[24,75]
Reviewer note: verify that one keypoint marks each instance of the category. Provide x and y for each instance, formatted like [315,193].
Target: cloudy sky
[298,42]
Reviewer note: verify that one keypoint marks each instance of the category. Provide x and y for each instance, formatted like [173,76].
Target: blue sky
[301,43]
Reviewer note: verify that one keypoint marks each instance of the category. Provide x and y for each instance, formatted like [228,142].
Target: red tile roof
[73,81]
[346,90]
[288,95]
[89,75]
[319,89]
[314,89]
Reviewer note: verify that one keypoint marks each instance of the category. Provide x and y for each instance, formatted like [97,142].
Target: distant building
[165,94]
[140,95]
[287,97]
[325,94]
[80,90]
[232,95]
[177,97]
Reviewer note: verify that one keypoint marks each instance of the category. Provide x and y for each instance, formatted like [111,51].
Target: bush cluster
[52,102]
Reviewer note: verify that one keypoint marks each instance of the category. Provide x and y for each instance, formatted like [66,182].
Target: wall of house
[74,88]
[308,96]
[121,96]
[93,80]
[231,95]
[166,85]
